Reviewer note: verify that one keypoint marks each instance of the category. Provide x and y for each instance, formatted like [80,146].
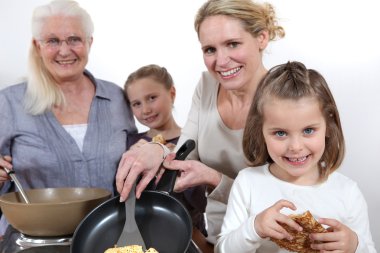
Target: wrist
[165,149]
[214,180]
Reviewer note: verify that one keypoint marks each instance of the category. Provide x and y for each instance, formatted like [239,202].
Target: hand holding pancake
[339,238]
[269,223]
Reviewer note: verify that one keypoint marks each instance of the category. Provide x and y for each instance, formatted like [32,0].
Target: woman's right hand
[138,144]
[145,161]
[268,222]
[5,161]
[192,173]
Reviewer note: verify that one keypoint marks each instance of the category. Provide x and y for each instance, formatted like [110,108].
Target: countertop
[7,244]
[200,240]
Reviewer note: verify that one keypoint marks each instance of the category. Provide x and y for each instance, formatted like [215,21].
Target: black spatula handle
[167,180]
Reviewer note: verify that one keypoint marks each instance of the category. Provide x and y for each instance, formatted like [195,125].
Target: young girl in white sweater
[294,142]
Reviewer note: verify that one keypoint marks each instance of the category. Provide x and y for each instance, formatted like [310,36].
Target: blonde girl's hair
[255,17]
[153,71]
[42,91]
[294,81]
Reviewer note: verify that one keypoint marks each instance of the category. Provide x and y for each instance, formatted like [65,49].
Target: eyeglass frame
[70,42]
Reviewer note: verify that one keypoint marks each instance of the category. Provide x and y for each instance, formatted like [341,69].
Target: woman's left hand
[191,173]
[339,238]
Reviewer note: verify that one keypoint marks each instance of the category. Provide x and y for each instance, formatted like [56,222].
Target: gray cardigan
[45,155]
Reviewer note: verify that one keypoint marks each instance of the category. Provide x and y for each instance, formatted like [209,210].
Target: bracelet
[164,148]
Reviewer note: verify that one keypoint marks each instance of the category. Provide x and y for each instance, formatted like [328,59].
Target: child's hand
[268,222]
[340,238]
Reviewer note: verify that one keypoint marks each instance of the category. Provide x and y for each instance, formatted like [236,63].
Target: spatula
[12,175]
[131,234]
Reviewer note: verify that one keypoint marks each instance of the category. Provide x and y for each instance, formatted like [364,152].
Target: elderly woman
[233,35]
[62,127]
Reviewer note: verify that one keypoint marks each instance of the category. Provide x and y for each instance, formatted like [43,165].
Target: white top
[256,189]
[77,132]
[217,146]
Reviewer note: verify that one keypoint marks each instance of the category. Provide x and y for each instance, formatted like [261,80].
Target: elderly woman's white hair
[42,91]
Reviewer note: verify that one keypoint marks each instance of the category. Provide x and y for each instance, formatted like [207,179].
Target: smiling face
[231,54]
[151,102]
[294,132]
[64,62]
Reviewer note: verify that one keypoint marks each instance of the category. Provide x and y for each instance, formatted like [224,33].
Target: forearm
[222,189]
[213,179]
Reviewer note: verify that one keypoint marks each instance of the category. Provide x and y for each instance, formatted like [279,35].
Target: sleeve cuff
[222,190]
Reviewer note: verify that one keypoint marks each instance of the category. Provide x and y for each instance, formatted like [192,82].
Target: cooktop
[11,240]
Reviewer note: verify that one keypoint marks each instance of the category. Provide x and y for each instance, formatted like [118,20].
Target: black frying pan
[164,222]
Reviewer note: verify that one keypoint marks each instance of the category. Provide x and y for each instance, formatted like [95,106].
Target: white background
[338,38]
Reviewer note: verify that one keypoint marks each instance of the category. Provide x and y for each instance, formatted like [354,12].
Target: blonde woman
[233,35]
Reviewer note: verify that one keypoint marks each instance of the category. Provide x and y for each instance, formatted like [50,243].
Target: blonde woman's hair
[42,91]
[255,17]
[294,81]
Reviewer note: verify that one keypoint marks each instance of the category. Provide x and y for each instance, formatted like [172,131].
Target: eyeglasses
[55,43]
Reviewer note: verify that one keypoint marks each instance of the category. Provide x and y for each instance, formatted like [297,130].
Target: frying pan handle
[167,181]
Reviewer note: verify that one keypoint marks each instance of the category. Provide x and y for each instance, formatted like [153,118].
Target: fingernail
[122,199]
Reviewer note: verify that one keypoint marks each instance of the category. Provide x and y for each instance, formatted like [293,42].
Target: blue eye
[308,131]
[280,133]
[233,44]
[209,50]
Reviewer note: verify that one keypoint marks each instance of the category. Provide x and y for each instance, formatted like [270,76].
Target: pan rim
[76,242]
[104,193]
